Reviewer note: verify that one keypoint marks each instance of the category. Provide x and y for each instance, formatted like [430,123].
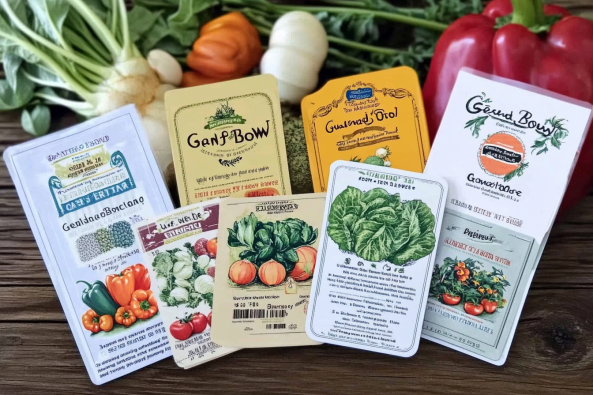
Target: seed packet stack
[507,150]
[83,189]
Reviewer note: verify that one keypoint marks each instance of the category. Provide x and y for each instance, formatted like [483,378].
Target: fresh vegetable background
[94,56]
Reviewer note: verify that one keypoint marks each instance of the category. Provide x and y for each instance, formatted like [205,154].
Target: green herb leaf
[141,20]
[37,121]
[10,98]
[518,172]
[475,125]
[50,16]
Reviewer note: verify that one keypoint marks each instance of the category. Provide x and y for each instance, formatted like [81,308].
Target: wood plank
[550,355]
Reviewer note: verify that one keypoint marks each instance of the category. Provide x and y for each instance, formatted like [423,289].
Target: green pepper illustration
[97,297]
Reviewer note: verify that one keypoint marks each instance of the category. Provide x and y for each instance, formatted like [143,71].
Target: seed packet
[375,118]
[266,263]
[228,140]
[376,253]
[83,189]
[514,150]
[180,249]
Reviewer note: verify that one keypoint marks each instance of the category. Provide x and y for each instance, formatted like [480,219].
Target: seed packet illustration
[180,251]
[375,118]
[83,189]
[514,148]
[376,253]
[227,140]
[266,264]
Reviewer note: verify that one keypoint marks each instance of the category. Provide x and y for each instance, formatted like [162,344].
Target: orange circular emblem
[501,153]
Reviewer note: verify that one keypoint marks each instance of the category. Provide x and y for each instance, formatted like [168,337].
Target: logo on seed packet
[88,177]
[359,94]
[503,155]
[225,115]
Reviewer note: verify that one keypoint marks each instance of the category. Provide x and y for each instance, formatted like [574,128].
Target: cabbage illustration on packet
[377,226]
[376,255]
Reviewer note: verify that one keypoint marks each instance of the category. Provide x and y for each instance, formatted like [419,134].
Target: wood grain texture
[552,352]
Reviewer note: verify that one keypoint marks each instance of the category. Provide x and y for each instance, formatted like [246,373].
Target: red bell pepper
[540,45]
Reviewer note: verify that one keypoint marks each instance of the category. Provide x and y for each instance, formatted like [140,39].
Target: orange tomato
[242,272]
[228,48]
[272,273]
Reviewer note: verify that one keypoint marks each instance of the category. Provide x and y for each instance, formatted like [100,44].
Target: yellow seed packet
[375,118]
[227,140]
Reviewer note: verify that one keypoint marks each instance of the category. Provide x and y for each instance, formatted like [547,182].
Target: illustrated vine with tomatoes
[466,282]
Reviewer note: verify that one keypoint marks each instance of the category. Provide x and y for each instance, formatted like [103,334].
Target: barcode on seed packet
[276,326]
[239,314]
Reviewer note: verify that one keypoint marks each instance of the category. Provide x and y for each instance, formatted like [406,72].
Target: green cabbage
[180,294]
[204,284]
[183,268]
[203,261]
[378,227]
[161,282]
[182,283]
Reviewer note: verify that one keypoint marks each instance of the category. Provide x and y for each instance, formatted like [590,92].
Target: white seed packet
[507,150]
[376,253]
[82,190]
[180,249]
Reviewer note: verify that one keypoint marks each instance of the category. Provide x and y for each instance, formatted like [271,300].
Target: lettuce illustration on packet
[377,226]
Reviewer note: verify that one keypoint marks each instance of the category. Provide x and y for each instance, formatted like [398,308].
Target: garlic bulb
[297,49]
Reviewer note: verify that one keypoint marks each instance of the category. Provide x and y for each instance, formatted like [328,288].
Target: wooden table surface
[552,352]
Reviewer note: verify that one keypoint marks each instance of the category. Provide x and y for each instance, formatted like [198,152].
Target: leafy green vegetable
[262,241]
[421,233]
[378,227]
[170,25]
[367,35]
[177,272]
[36,122]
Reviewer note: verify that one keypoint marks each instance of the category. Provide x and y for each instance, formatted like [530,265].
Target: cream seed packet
[83,190]
[227,140]
[376,253]
[180,251]
[507,150]
[266,264]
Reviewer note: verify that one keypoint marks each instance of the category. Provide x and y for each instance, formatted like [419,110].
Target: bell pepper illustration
[97,297]
[121,287]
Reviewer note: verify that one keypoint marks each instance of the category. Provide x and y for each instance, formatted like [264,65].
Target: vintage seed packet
[375,118]
[376,253]
[82,190]
[227,140]
[266,264]
[180,249]
[507,150]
